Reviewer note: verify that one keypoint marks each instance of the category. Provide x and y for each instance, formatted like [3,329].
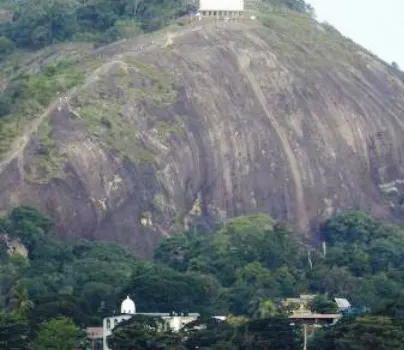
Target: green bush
[5,105]
[6,47]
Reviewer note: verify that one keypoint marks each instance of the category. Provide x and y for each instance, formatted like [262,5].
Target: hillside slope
[211,120]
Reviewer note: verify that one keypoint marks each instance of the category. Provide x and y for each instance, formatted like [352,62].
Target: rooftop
[314,316]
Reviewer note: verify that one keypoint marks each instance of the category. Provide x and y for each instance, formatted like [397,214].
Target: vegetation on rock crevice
[27,96]
[103,109]
[49,161]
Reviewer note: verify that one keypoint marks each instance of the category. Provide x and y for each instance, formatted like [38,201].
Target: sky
[377,25]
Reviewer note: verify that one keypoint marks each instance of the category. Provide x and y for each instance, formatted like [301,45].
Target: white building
[221,8]
[128,310]
[342,303]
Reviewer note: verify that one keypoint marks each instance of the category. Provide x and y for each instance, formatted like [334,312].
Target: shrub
[6,47]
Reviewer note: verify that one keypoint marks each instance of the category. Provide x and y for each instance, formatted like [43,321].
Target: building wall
[108,324]
[221,5]
[174,323]
[94,332]
[95,336]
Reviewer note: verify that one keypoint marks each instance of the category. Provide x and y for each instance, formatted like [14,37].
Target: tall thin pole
[305,336]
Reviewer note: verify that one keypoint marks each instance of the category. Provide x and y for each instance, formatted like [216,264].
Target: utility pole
[305,336]
[309,259]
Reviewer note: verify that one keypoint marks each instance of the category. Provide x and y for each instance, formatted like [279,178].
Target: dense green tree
[323,305]
[334,280]
[210,334]
[56,306]
[97,15]
[20,302]
[270,333]
[144,333]
[177,251]
[239,269]
[266,308]
[155,14]
[29,226]
[353,227]
[375,290]
[256,275]
[99,296]
[165,290]
[243,240]
[3,251]
[363,333]
[58,334]
[39,23]
[14,331]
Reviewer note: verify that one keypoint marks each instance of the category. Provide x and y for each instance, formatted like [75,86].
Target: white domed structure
[128,306]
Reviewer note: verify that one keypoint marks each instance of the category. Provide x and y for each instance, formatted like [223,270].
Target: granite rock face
[209,121]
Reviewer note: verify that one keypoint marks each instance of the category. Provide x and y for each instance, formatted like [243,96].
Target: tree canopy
[144,333]
[37,23]
[242,269]
[58,334]
[362,333]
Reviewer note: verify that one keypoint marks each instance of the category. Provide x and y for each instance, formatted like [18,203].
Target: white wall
[221,5]
[175,323]
[113,321]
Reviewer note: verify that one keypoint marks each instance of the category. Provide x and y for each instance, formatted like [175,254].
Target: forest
[33,24]
[64,285]
[27,26]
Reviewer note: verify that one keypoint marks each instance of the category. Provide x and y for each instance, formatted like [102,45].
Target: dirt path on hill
[18,146]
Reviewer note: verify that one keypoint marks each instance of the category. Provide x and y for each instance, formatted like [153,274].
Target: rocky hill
[201,122]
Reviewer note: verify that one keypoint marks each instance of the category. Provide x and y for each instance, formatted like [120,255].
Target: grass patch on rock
[48,162]
[299,35]
[26,97]
[165,130]
[105,120]
[157,85]
[105,107]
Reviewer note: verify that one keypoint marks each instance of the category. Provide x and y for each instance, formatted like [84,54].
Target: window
[108,323]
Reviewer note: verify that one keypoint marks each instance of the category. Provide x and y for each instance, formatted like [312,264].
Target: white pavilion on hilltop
[221,9]
[128,310]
